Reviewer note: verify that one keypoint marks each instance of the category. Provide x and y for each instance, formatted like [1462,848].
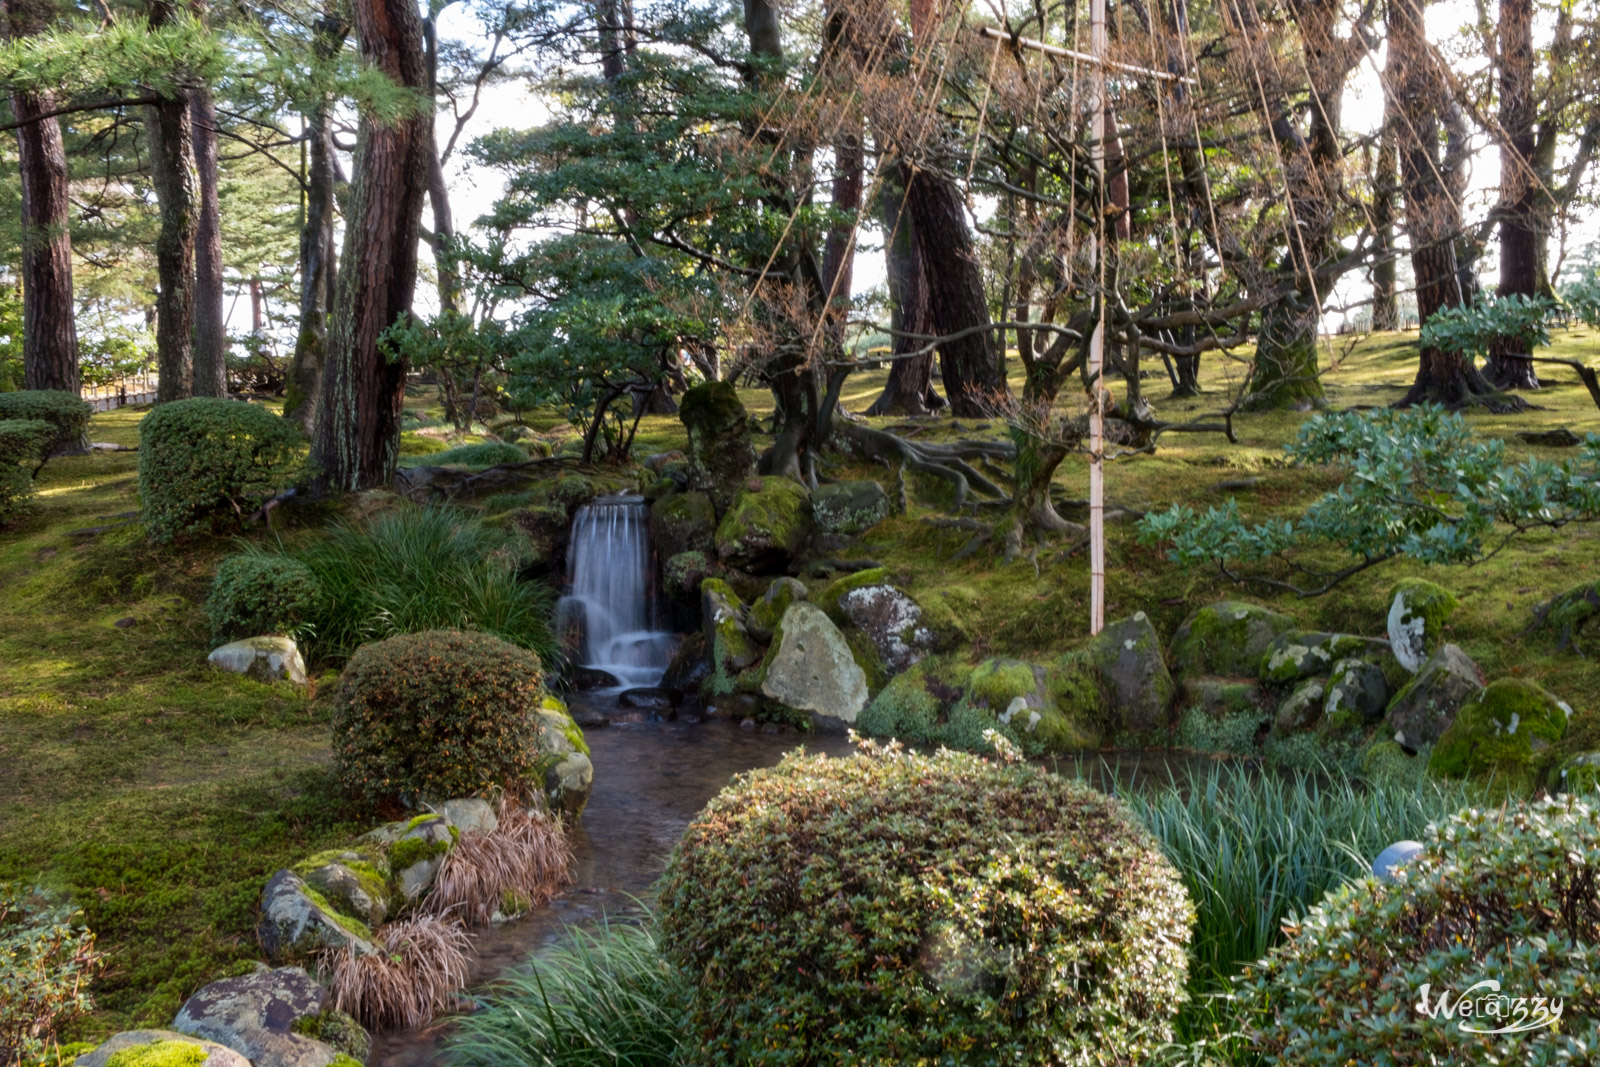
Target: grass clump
[257,593]
[420,966]
[484,454]
[524,861]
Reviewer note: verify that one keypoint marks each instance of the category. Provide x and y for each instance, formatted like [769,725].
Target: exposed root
[947,461]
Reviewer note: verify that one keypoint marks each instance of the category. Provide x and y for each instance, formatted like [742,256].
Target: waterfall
[611,603]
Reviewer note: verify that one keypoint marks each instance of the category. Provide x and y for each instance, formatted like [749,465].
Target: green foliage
[47,961]
[11,369]
[258,593]
[67,414]
[418,569]
[206,463]
[484,454]
[436,715]
[114,352]
[606,999]
[460,351]
[125,54]
[1472,330]
[1418,483]
[898,907]
[22,444]
[1505,894]
[1581,293]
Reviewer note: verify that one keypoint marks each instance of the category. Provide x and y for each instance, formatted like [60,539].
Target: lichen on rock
[1226,639]
[1417,613]
[767,525]
[1301,654]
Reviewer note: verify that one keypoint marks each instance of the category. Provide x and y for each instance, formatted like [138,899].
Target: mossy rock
[1227,638]
[1357,694]
[1500,732]
[1386,761]
[354,882]
[564,771]
[891,620]
[1301,710]
[811,668]
[1576,774]
[548,528]
[1568,613]
[1301,654]
[683,522]
[730,648]
[914,705]
[1425,706]
[850,507]
[1133,676]
[721,456]
[828,598]
[1222,697]
[684,573]
[1417,613]
[1022,701]
[160,1048]
[297,922]
[761,620]
[766,526]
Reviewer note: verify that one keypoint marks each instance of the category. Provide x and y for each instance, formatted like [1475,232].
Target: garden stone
[721,456]
[892,621]
[593,678]
[811,668]
[766,526]
[254,1015]
[1221,697]
[470,815]
[1028,699]
[549,530]
[1301,709]
[1305,654]
[1394,857]
[563,770]
[266,659]
[1133,674]
[216,1055]
[658,699]
[1357,693]
[732,649]
[1500,732]
[683,522]
[1578,774]
[1227,638]
[1417,613]
[294,924]
[1427,705]
[689,666]
[416,851]
[761,621]
[355,883]
[660,459]
[850,507]
[684,573]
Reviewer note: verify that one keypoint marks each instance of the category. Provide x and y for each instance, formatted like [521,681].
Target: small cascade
[611,605]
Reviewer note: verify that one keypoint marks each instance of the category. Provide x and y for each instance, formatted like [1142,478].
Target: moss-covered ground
[161,795]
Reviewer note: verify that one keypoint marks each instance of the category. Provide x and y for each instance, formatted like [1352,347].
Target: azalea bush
[47,960]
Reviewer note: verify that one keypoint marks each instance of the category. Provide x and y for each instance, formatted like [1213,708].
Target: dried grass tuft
[526,860]
[420,966]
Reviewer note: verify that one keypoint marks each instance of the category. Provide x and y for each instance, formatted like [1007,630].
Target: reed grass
[521,865]
[419,969]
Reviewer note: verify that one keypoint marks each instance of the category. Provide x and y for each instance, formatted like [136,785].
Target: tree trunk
[358,424]
[49,329]
[172,174]
[444,227]
[210,326]
[1385,308]
[909,390]
[317,275]
[1509,366]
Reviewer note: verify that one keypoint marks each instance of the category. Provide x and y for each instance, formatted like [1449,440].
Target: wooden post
[1097,504]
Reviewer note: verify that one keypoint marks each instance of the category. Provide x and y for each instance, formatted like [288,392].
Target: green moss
[419,820]
[335,1028]
[995,683]
[371,872]
[565,723]
[904,709]
[828,599]
[1426,607]
[1304,654]
[159,1054]
[1500,732]
[62,1055]
[416,444]
[865,653]
[1385,761]
[764,523]
[1578,774]
[410,851]
[349,923]
[1226,638]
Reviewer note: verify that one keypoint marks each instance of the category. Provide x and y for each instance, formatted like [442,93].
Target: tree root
[944,460]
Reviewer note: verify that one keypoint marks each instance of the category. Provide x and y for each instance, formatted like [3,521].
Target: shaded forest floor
[161,794]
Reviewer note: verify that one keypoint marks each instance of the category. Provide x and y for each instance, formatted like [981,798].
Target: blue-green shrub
[206,463]
[257,593]
[67,413]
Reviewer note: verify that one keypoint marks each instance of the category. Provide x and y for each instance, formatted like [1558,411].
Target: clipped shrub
[206,463]
[67,413]
[1385,973]
[257,593]
[420,967]
[22,443]
[437,714]
[46,965]
[907,908]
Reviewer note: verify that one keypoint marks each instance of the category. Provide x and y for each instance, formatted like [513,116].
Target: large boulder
[1133,676]
[1048,708]
[548,530]
[1301,709]
[810,667]
[762,620]
[1299,654]
[721,457]
[564,770]
[160,1048]
[1222,698]
[260,1017]
[850,507]
[729,646]
[1357,694]
[1500,732]
[297,921]
[266,659]
[1426,706]
[683,522]
[684,573]
[355,883]
[1227,638]
[1417,613]
[892,621]
[416,849]
[766,526]
[690,665]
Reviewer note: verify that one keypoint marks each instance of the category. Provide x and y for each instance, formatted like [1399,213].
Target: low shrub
[897,907]
[66,412]
[521,865]
[206,463]
[1375,973]
[419,569]
[420,967]
[435,715]
[257,593]
[606,999]
[46,965]
[22,443]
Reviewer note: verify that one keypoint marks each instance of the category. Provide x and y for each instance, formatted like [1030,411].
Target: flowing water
[612,599]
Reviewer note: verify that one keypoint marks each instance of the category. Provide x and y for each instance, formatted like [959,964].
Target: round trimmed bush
[255,594]
[22,443]
[438,714]
[1507,894]
[66,412]
[205,462]
[902,908]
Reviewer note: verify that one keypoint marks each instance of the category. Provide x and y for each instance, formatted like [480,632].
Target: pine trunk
[1509,366]
[909,390]
[210,326]
[172,174]
[358,425]
[1385,308]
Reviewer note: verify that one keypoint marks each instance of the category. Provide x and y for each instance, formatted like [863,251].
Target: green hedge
[255,593]
[205,463]
[67,413]
[22,445]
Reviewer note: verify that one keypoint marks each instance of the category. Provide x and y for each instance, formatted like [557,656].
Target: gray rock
[563,769]
[1417,613]
[266,659]
[593,678]
[470,815]
[810,668]
[893,622]
[1357,693]
[651,698]
[1133,674]
[254,1015]
[292,924]
[721,456]
[1306,654]
[850,507]
[1427,705]
[216,1055]
[1223,697]
[416,849]
[355,883]
[1301,709]
[1395,856]
[1226,639]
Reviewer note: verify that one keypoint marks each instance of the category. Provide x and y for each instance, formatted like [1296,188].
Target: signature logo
[1482,1009]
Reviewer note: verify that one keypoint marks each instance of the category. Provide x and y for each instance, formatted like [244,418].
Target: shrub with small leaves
[443,713]
[206,463]
[895,907]
[1377,972]
[46,965]
[1472,330]
[256,593]
[67,413]
[22,444]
